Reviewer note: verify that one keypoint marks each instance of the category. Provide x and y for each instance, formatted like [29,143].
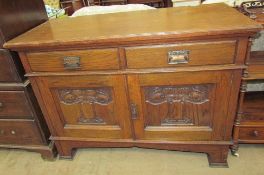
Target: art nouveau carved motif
[184,121]
[92,96]
[252,4]
[195,94]
[252,8]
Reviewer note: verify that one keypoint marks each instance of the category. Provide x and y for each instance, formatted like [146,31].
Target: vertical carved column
[234,147]
[243,89]
[250,41]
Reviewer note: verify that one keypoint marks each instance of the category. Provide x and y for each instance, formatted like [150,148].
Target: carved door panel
[180,106]
[87,106]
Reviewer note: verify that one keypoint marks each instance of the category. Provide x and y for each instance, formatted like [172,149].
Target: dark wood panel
[14,104]
[2,39]
[8,67]
[19,16]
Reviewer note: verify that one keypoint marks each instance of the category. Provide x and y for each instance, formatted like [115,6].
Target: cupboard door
[180,106]
[87,106]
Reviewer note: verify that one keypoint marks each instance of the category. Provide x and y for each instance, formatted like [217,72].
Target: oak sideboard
[162,78]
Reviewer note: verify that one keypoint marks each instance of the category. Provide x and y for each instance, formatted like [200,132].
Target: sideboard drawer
[97,59]
[182,54]
[14,104]
[19,132]
[252,133]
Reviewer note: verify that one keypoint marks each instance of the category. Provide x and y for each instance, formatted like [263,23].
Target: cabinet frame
[130,31]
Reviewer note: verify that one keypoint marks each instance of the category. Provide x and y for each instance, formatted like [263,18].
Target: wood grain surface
[178,22]
[200,53]
[127,93]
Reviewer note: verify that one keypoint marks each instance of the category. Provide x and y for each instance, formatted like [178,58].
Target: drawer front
[7,67]
[99,59]
[256,71]
[251,133]
[14,104]
[185,54]
[23,132]
[253,110]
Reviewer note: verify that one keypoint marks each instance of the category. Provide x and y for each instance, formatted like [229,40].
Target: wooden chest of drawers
[21,121]
[22,124]
[170,82]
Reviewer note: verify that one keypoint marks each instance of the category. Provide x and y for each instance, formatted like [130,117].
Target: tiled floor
[131,161]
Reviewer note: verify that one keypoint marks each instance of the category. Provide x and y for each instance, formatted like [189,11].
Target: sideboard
[170,81]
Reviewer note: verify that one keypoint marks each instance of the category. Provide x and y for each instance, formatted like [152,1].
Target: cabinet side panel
[19,16]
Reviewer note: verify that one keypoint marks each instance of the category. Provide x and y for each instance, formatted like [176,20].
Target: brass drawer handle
[134,111]
[71,62]
[178,57]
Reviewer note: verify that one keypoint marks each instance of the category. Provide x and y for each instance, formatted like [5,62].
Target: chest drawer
[253,109]
[19,132]
[251,133]
[256,70]
[14,104]
[184,54]
[57,61]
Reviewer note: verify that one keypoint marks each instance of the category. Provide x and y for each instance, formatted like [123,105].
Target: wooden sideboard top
[122,28]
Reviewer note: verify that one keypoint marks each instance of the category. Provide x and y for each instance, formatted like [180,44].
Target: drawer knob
[256,133]
[71,62]
[178,57]
[13,132]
